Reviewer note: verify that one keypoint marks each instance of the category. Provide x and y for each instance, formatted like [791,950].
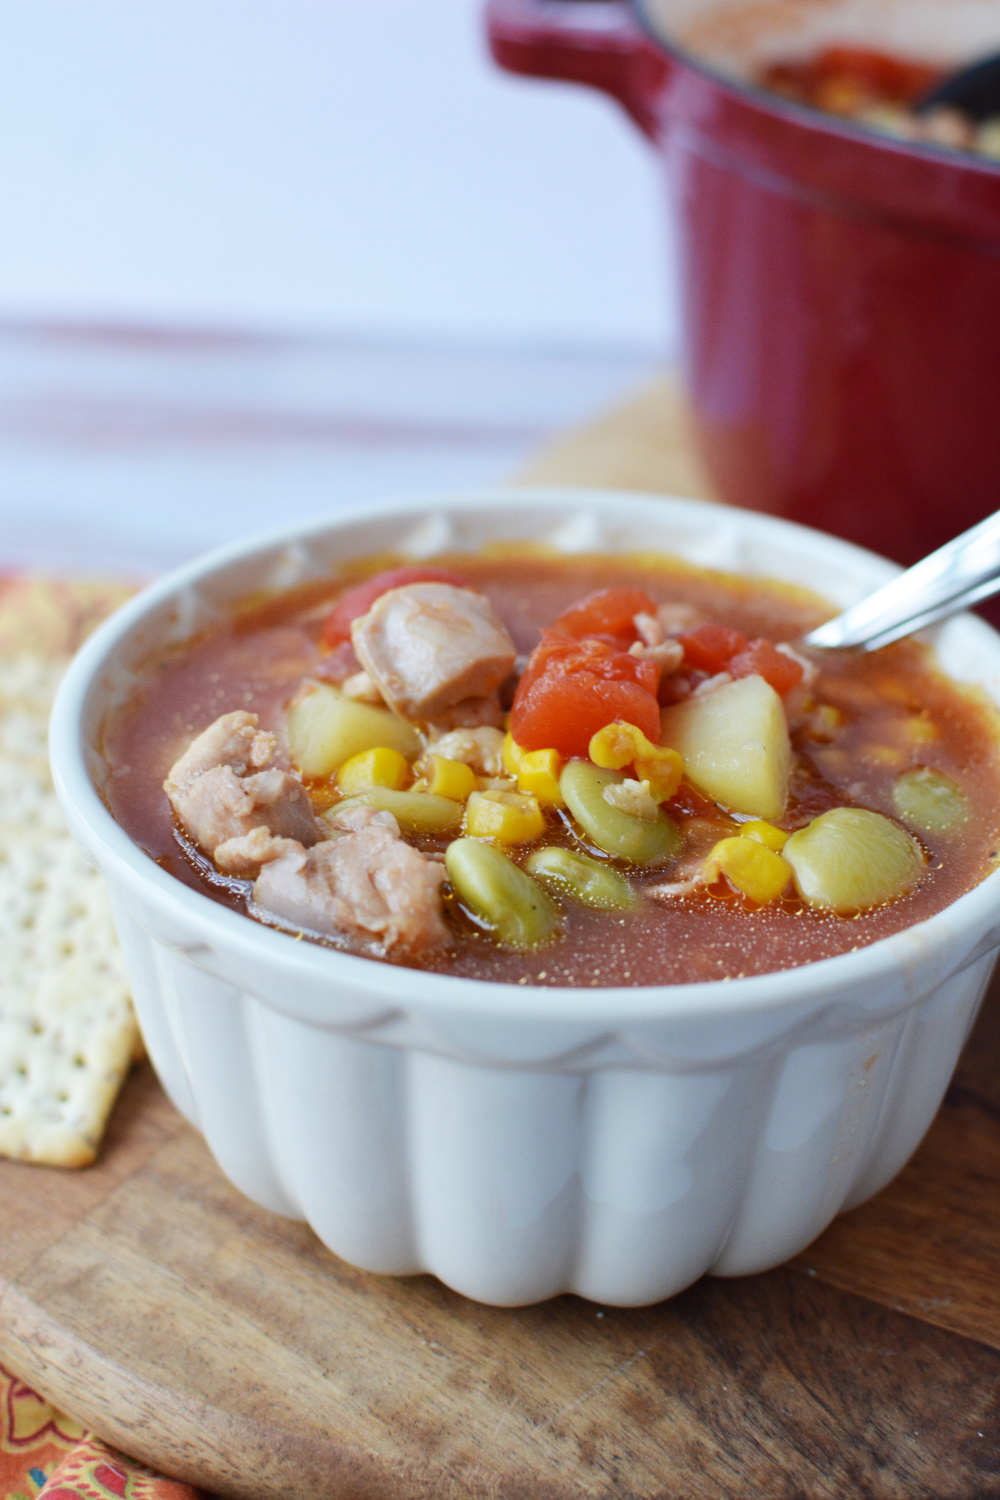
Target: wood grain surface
[226,1346]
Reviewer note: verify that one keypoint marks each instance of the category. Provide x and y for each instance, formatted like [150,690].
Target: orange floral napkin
[47,1456]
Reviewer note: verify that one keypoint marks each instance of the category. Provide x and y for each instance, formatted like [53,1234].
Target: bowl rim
[920,950]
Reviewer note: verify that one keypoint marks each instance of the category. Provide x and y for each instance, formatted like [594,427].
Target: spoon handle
[974,89]
[958,575]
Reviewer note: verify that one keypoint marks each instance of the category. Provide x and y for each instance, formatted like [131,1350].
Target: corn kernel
[508,817]
[833,763]
[888,690]
[822,721]
[538,777]
[619,745]
[451,778]
[841,94]
[379,767]
[921,729]
[765,833]
[752,868]
[616,746]
[511,754]
[885,755]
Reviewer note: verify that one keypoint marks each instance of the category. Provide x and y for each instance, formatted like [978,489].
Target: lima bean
[582,878]
[501,895]
[931,801]
[416,812]
[642,841]
[850,859]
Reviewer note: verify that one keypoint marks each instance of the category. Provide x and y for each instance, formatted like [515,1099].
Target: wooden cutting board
[226,1346]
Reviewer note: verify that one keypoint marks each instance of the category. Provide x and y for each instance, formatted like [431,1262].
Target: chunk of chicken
[430,645]
[648,629]
[674,619]
[356,817]
[217,801]
[480,747]
[362,688]
[668,655]
[365,885]
[633,797]
[233,740]
[468,713]
[654,645]
[245,855]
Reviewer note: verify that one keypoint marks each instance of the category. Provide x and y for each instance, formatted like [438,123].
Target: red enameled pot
[841,290]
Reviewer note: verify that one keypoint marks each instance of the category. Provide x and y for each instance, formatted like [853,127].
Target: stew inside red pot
[883,91]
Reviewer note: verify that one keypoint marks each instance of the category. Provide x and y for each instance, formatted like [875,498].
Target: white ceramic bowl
[521,1142]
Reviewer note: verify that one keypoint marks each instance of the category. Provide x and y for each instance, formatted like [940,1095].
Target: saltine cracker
[67,1030]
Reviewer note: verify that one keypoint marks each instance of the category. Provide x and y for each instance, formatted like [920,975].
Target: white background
[334,165]
[264,258]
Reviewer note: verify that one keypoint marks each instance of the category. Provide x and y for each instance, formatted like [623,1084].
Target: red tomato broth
[703,936]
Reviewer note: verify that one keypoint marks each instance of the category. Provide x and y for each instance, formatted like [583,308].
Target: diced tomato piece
[359,600]
[889,79]
[710,647]
[556,651]
[609,612]
[570,689]
[594,656]
[760,658]
[896,78]
[564,712]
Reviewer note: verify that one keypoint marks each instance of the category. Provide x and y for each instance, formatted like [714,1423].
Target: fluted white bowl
[515,1141]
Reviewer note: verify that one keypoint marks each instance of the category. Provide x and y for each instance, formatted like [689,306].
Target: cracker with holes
[67,1030]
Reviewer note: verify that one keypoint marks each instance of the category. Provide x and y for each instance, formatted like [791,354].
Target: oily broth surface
[256,660]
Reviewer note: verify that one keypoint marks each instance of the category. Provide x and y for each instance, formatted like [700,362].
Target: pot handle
[584,41]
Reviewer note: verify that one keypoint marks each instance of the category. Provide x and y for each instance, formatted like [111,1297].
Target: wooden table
[226,1346]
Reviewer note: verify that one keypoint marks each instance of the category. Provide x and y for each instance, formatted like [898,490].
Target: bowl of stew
[839,262]
[507,892]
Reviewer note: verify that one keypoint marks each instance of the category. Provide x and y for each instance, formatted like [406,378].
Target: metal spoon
[974,89]
[958,575]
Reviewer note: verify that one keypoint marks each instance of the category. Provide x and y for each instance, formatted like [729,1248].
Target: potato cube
[325,728]
[735,746]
